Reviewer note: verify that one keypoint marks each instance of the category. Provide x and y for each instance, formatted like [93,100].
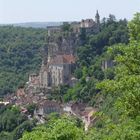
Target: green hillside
[20,54]
[114,92]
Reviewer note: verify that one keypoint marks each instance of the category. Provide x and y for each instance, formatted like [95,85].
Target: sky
[18,11]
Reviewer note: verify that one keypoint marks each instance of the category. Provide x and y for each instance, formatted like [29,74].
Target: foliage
[13,123]
[78,73]
[66,27]
[31,108]
[111,32]
[58,92]
[127,130]
[60,129]
[115,91]
[135,28]
[20,54]
[25,126]
[8,121]
[118,94]
[82,92]
[124,92]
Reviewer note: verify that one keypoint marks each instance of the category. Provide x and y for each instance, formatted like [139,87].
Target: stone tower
[97,18]
[45,54]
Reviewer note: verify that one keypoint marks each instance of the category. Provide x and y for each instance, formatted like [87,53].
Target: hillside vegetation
[117,95]
[20,54]
[115,92]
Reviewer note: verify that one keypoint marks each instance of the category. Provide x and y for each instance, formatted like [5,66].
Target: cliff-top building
[59,61]
[90,25]
[58,71]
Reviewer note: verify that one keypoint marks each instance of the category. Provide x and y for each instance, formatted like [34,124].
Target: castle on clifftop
[60,57]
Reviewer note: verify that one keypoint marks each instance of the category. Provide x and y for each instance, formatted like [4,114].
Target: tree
[66,26]
[31,108]
[125,91]
[19,55]
[60,129]
[111,18]
[25,126]
[134,28]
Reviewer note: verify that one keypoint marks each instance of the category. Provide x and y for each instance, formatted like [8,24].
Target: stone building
[97,18]
[33,79]
[88,23]
[58,71]
[58,64]
[59,61]
[46,107]
[91,26]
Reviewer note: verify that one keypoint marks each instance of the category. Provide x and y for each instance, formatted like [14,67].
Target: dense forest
[20,54]
[114,91]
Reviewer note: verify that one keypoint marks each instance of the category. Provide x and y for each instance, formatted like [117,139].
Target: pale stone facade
[47,107]
[91,26]
[59,60]
[88,23]
[43,76]
[58,71]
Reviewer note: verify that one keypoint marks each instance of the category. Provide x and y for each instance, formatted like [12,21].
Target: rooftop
[63,59]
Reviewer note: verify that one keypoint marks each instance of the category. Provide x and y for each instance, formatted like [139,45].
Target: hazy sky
[16,11]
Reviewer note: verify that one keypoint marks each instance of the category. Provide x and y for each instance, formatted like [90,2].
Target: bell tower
[97,18]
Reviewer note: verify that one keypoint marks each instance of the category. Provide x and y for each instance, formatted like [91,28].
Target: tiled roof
[69,58]
[87,20]
[63,59]
[78,107]
[48,103]
[20,92]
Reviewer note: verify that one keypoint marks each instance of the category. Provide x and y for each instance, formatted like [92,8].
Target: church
[58,71]
[59,60]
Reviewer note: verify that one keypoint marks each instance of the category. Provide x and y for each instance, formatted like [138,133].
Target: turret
[97,18]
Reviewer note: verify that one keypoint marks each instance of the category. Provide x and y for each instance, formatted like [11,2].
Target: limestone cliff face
[58,58]
[59,53]
[64,43]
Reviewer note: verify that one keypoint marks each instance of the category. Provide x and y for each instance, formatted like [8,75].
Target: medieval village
[69,71]
[59,62]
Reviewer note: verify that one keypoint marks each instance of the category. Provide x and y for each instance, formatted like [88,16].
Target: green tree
[20,54]
[60,129]
[124,89]
[134,28]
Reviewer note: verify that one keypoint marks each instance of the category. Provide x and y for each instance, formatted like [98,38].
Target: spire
[97,18]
